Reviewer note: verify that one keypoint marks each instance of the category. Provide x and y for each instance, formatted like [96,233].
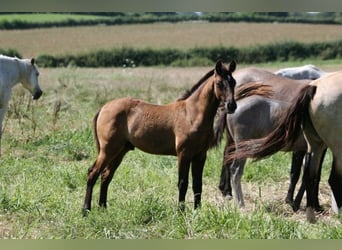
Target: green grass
[46,153]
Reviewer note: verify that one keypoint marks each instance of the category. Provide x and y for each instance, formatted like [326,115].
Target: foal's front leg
[197,174]
[183,179]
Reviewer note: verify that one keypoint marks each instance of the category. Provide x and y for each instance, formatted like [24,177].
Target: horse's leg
[107,175]
[296,165]
[317,206]
[2,115]
[312,161]
[225,182]
[183,179]
[197,172]
[298,199]
[236,172]
[93,173]
[335,180]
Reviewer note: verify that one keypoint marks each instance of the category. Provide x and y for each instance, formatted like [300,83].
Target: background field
[74,40]
[48,145]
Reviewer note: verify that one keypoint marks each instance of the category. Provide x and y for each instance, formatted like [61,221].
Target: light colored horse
[13,71]
[308,71]
[316,110]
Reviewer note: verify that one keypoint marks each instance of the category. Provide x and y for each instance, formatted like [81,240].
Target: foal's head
[30,78]
[224,85]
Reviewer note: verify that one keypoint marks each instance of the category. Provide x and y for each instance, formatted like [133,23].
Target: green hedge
[150,17]
[10,52]
[130,57]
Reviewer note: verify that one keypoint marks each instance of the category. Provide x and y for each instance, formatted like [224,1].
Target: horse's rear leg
[310,177]
[197,174]
[225,182]
[335,181]
[299,196]
[107,175]
[236,172]
[93,173]
[296,165]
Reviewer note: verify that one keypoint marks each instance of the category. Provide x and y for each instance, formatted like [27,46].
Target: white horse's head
[29,78]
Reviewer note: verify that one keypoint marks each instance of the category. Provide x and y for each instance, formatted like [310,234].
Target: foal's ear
[218,67]
[232,66]
[32,61]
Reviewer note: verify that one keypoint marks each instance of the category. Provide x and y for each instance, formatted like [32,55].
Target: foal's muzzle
[231,107]
[37,95]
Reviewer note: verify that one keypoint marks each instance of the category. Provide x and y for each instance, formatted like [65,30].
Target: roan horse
[183,128]
[317,111]
[13,71]
[308,71]
[255,117]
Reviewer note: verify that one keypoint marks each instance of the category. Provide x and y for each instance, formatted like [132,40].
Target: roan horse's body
[183,128]
[12,72]
[303,72]
[254,118]
[316,110]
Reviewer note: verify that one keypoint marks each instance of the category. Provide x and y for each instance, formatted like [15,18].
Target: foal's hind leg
[107,175]
[93,173]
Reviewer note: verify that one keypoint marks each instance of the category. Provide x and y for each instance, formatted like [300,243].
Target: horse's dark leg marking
[298,199]
[317,206]
[296,165]
[335,180]
[225,179]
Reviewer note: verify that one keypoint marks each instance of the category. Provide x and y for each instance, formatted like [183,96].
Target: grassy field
[48,146]
[60,41]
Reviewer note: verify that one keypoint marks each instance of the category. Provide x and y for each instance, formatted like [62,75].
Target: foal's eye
[220,85]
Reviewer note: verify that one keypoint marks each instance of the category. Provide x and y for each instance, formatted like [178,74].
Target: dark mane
[196,86]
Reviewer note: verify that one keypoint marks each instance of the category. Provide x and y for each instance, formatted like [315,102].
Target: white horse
[303,72]
[13,71]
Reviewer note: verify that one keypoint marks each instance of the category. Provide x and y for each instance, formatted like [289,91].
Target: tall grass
[44,166]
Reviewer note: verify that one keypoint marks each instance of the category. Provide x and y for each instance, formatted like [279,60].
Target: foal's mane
[196,86]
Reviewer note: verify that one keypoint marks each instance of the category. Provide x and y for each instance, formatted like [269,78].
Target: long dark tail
[95,131]
[242,91]
[285,134]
